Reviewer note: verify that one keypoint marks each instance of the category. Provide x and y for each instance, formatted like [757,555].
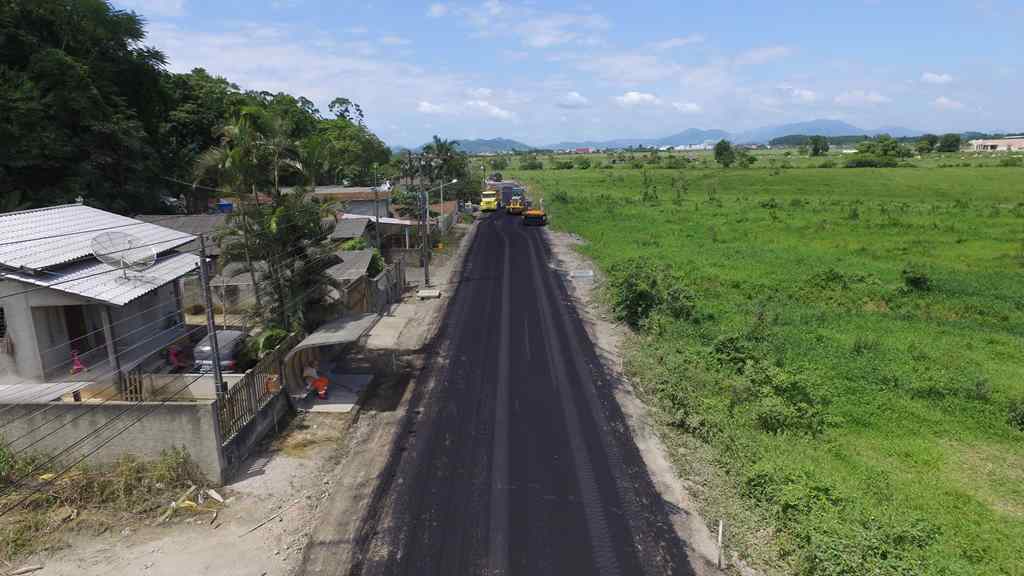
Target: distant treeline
[796,140]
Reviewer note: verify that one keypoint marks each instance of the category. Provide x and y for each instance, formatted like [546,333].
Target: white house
[58,302]
[1011,144]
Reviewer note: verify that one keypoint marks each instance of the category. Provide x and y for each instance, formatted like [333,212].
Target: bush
[563,165]
[1011,162]
[827,164]
[640,286]
[1016,413]
[914,278]
[869,161]
[354,244]
[531,163]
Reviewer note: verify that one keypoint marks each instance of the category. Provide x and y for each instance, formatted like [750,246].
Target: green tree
[818,145]
[949,143]
[499,163]
[725,154]
[80,104]
[927,143]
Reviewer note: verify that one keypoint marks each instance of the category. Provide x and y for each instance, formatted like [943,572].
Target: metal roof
[349,228]
[195,224]
[37,393]
[353,265]
[382,219]
[347,193]
[98,281]
[47,237]
[344,330]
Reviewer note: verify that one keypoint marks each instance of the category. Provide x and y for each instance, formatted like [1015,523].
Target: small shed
[319,347]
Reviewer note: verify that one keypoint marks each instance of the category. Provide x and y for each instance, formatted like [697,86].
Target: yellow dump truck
[489,201]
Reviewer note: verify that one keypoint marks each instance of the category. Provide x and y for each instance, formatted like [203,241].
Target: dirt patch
[612,341]
[992,474]
[286,483]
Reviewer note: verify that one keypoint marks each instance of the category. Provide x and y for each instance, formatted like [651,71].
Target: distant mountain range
[820,127]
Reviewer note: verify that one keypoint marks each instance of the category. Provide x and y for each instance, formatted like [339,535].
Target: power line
[50,482]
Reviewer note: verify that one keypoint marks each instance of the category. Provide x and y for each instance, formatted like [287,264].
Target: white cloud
[936,78]
[480,93]
[799,95]
[632,98]
[861,98]
[763,55]
[437,10]
[679,42]
[572,100]
[167,8]
[426,107]
[357,30]
[943,103]
[687,107]
[395,41]
[490,109]
[630,68]
[555,29]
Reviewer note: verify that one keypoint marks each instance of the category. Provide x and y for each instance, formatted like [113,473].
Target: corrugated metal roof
[98,281]
[195,224]
[47,237]
[37,393]
[353,265]
[347,193]
[382,219]
[349,228]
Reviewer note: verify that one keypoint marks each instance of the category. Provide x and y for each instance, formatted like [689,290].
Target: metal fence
[257,387]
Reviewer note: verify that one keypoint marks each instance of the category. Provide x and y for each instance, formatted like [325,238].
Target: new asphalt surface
[514,457]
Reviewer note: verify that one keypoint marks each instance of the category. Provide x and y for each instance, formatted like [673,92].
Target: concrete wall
[192,426]
[273,417]
[203,387]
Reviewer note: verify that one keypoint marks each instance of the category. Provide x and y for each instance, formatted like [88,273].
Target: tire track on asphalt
[649,526]
[602,548]
[498,549]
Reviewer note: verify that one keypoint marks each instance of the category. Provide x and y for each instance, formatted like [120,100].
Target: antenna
[120,250]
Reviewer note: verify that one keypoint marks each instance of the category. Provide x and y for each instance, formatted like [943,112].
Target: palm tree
[293,240]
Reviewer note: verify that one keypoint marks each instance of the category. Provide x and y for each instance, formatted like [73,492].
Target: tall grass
[851,350]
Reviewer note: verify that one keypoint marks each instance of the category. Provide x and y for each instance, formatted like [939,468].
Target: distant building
[583,150]
[362,200]
[1011,144]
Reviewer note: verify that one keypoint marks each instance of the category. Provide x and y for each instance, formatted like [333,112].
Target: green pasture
[848,343]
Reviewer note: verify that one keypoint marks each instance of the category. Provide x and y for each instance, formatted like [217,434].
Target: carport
[320,347]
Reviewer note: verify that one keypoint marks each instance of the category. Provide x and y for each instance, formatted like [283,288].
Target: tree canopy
[87,109]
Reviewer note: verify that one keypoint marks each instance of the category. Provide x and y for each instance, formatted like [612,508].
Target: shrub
[914,278]
[563,165]
[869,161]
[827,164]
[1016,413]
[354,244]
[1011,161]
[640,286]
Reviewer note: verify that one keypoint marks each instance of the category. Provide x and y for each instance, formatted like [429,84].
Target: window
[3,324]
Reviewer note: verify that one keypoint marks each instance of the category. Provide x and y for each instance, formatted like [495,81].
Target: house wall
[146,325]
[21,326]
[188,425]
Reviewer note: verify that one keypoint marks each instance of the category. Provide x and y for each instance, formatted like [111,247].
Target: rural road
[515,458]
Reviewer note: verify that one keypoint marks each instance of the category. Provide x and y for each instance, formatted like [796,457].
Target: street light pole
[426,238]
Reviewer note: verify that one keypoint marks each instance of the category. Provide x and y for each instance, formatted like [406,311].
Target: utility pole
[426,238]
[211,326]
[376,205]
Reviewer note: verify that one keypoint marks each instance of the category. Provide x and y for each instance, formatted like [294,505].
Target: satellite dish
[124,251]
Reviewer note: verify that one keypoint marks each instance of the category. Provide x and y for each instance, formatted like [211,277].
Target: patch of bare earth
[260,530]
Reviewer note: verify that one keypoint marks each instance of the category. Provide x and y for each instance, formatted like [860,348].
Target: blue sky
[542,72]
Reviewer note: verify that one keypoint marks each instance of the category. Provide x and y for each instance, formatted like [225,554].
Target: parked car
[229,344]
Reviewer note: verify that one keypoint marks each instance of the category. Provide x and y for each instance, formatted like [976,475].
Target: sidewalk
[413,322]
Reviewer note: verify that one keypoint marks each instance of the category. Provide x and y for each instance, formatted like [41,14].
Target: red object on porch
[76,363]
[320,384]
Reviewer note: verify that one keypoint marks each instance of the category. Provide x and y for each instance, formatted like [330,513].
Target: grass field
[846,343]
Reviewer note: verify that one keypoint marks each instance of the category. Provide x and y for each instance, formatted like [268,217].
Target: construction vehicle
[535,215]
[516,206]
[490,201]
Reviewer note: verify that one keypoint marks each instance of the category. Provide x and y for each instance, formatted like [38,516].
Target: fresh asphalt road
[516,459]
